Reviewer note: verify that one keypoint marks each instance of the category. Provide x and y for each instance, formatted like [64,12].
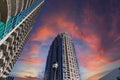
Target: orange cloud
[53,24]
[27,78]
[92,29]
[53,27]
[43,34]
[93,62]
[34,49]
[33,60]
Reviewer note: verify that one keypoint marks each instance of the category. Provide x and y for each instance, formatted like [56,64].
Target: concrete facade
[12,43]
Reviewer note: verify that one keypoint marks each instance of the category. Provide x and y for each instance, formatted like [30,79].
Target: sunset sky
[94,26]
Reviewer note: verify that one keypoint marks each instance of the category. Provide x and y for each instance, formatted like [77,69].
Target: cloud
[34,49]
[43,34]
[94,23]
[58,24]
[27,78]
[104,32]
[93,62]
[33,60]
[93,31]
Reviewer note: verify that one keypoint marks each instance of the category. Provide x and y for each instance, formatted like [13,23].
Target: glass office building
[61,61]
[16,19]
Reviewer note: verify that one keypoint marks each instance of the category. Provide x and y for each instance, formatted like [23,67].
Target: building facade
[10,78]
[16,19]
[61,61]
[113,75]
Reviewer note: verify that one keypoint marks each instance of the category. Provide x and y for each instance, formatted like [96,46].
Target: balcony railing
[5,28]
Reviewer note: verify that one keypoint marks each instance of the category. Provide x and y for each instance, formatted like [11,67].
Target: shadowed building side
[3,10]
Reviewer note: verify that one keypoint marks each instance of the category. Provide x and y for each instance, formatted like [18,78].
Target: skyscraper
[61,61]
[16,19]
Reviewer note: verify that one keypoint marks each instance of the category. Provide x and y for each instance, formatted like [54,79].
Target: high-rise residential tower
[16,19]
[61,61]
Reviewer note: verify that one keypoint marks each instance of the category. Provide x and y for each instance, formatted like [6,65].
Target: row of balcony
[5,28]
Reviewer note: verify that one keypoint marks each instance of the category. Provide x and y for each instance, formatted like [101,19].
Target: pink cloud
[57,24]
[33,60]
[90,31]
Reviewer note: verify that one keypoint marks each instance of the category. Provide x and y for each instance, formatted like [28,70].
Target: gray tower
[61,61]
[16,19]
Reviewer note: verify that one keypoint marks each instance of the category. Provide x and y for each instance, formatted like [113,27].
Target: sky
[94,26]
